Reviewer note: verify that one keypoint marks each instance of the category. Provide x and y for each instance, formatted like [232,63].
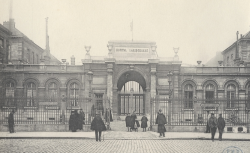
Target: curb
[88,138]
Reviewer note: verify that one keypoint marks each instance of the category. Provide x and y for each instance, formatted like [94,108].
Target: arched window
[188,93]
[9,93]
[31,94]
[231,93]
[209,93]
[74,94]
[53,92]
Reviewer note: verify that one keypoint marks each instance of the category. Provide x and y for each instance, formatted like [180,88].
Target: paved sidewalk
[121,135]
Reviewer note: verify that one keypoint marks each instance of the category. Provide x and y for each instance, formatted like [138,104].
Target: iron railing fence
[194,112]
[32,116]
[42,111]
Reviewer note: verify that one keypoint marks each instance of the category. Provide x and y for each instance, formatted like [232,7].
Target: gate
[127,103]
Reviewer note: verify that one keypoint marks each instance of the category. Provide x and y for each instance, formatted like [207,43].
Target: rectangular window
[209,96]
[99,102]
[52,95]
[230,99]
[188,99]
[31,94]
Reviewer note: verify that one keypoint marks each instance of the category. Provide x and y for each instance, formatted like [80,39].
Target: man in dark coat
[221,126]
[73,122]
[144,124]
[213,125]
[161,121]
[11,121]
[132,121]
[99,126]
[127,121]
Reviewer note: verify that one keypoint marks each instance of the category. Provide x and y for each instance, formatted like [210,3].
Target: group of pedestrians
[133,124]
[214,123]
[76,120]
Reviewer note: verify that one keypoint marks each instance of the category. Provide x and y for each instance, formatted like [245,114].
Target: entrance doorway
[131,98]
[131,93]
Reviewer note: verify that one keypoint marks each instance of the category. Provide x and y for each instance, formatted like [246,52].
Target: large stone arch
[127,69]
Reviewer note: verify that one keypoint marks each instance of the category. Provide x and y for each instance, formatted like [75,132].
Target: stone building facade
[131,77]
[23,50]
[5,35]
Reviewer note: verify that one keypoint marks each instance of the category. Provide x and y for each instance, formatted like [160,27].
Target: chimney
[237,52]
[72,60]
[241,36]
[11,20]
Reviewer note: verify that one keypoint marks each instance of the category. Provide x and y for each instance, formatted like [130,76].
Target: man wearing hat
[213,125]
[221,126]
[11,121]
[161,121]
[98,125]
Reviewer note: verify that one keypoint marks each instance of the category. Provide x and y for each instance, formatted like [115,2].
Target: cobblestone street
[78,145]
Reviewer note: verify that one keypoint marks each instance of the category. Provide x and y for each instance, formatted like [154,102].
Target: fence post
[248,121]
[169,111]
[63,108]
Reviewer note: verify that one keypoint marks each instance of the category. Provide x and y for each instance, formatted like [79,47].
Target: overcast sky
[199,28]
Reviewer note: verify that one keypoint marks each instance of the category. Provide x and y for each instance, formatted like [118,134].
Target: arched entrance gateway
[131,93]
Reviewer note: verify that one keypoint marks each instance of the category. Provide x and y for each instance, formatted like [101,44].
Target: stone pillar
[147,101]
[153,83]
[63,108]
[113,104]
